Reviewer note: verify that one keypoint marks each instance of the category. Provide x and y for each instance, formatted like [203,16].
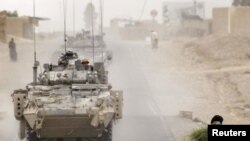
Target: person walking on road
[154,39]
[12,50]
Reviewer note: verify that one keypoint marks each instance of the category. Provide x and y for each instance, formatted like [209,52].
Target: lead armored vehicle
[71,100]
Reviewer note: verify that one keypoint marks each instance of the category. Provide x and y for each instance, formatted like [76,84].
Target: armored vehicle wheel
[31,136]
[109,55]
[78,139]
[107,133]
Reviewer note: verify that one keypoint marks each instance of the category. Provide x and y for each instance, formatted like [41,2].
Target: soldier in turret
[86,66]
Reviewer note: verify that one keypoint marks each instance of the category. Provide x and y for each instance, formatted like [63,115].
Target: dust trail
[16,75]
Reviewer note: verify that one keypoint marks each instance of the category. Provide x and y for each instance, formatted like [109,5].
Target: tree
[10,14]
[15,13]
[90,16]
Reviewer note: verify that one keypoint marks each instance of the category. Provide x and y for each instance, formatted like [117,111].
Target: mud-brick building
[2,27]
[231,20]
[17,26]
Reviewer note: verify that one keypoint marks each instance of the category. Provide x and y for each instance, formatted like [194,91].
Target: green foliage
[199,135]
[12,14]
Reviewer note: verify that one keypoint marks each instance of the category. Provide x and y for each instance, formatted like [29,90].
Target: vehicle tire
[31,135]
[107,133]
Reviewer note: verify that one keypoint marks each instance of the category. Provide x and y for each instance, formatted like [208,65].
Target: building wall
[2,29]
[138,31]
[20,27]
[28,30]
[240,19]
[172,11]
[17,26]
[14,26]
[203,26]
[221,20]
[231,20]
[142,30]
[133,33]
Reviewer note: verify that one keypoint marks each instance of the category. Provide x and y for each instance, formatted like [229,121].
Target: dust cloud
[16,75]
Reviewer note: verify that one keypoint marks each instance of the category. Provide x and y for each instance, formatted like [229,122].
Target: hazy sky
[112,8]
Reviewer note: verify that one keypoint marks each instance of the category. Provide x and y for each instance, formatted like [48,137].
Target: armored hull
[68,102]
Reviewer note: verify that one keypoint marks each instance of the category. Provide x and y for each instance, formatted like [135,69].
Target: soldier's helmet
[85,61]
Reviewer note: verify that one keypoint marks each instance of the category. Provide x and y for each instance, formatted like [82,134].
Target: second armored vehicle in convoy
[70,100]
[85,42]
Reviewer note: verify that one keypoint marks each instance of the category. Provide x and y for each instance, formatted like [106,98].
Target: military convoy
[71,100]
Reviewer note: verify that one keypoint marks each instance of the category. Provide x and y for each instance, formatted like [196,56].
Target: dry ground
[217,67]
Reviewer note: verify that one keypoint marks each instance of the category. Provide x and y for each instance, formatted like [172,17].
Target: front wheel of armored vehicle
[107,133]
[31,135]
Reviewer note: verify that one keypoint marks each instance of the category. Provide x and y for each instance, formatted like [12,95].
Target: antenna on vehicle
[92,27]
[65,28]
[195,7]
[34,39]
[101,26]
[74,10]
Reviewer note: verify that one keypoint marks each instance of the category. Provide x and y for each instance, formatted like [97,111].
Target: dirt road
[153,94]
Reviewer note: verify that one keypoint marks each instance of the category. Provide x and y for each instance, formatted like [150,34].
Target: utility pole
[34,39]
[65,26]
[195,7]
[101,26]
[74,17]
[101,18]
[92,30]
[153,14]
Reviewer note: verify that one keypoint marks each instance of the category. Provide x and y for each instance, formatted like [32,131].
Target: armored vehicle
[85,42]
[71,100]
